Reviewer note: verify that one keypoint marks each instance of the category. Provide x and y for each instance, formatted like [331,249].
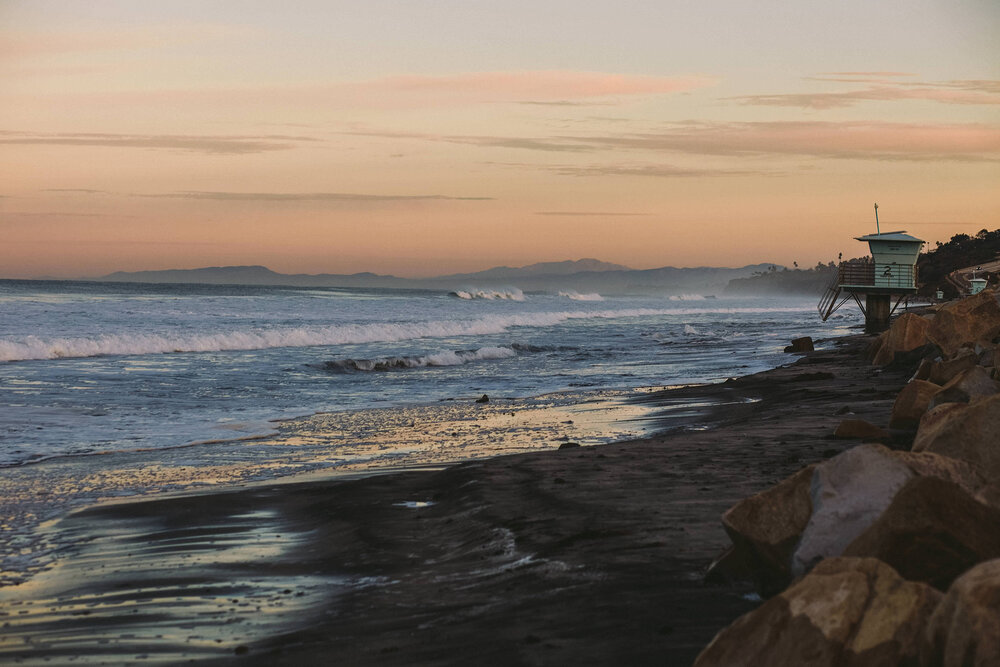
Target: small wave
[25,348]
[447,358]
[691,331]
[504,294]
[687,297]
[576,296]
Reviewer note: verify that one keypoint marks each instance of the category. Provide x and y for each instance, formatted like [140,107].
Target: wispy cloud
[82,191]
[842,140]
[577,214]
[859,140]
[214,144]
[883,88]
[655,171]
[557,145]
[555,86]
[305,196]
[566,103]
[558,88]
[60,214]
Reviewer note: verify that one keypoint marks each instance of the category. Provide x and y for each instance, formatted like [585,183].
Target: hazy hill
[586,275]
[255,275]
[778,281]
[568,267]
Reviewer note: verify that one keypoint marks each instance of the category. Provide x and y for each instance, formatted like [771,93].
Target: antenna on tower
[876,219]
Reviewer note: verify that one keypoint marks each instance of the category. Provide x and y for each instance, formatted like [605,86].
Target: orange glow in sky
[428,138]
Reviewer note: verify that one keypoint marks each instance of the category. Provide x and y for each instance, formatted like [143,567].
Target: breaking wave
[687,297]
[505,294]
[447,358]
[576,296]
[25,348]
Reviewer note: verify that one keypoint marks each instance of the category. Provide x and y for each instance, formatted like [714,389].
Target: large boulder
[859,429]
[968,386]
[975,319]
[847,612]
[765,528]
[964,630]
[851,491]
[804,344]
[820,510]
[966,431]
[933,531]
[941,372]
[908,332]
[911,404]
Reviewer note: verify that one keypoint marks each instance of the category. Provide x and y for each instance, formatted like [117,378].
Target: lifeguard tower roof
[889,236]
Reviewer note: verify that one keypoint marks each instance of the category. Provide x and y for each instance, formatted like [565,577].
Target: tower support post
[876,312]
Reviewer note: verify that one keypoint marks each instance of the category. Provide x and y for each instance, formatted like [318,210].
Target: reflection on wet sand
[324,444]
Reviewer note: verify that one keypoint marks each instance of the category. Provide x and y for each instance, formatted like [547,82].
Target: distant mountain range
[583,275]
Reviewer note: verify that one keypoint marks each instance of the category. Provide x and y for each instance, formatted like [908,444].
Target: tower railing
[892,276]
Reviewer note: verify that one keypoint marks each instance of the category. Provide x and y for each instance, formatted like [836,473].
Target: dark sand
[590,555]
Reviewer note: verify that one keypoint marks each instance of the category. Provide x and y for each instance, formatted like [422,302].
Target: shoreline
[582,554]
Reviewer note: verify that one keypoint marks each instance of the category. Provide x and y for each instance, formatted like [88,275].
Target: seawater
[119,388]
[97,367]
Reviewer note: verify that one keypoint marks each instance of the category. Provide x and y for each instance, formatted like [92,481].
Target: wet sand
[585,555]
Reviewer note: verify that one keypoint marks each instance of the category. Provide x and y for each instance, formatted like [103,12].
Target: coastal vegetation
[960,252]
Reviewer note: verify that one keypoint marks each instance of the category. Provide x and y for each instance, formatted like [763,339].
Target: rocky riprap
[879,555]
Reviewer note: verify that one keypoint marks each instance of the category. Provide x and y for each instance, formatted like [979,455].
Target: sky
[419,137]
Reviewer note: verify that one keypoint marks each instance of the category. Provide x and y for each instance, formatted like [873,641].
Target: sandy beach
[579,555]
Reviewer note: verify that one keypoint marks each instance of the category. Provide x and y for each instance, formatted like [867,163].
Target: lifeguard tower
[891,272]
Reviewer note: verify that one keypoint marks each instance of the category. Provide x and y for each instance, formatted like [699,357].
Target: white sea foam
[22,348]
[446,358]
[691,331]
[576,296]
[490,294]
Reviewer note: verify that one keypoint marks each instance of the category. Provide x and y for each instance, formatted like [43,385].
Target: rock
[804,344]
[848,611]
[975,319]
[852,490]
[820,510]
[908,332]
[964,629]
[483,399]
[966,431]
[942,372]
[859,428]
[911,404]
[569,445]
[967,387]
[933,531]
[765,528]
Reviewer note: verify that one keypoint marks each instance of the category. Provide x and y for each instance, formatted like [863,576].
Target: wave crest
[26,348]
[447,358]
[576,296]
[502,294]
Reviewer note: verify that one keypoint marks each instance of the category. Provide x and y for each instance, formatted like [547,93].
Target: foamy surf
[26,348]
[576,296]
[447,358]
[501,294]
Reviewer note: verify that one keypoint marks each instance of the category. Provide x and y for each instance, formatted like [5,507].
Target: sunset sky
[419,137]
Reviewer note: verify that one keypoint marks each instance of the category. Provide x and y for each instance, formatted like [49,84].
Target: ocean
[112,390]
